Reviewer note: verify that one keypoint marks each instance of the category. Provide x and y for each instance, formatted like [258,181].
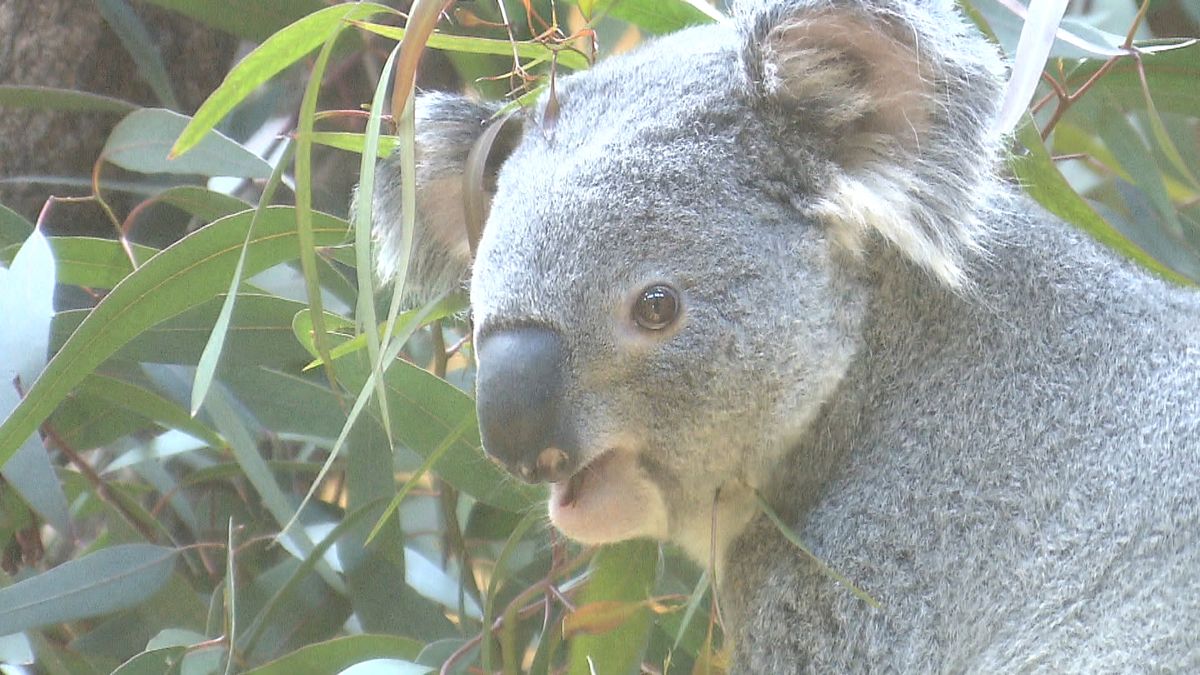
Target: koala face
[640,277]
[668,286]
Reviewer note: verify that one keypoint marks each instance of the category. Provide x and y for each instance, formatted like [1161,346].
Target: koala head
[674,271]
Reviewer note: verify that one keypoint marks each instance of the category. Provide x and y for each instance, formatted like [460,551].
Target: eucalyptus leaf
[53,98]
[333,655]
[182,276]
[250,20]
[14,229]
[142,142]
[99,583]
[275,54]
[623,573]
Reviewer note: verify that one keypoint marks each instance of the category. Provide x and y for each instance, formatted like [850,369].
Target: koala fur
[979,416]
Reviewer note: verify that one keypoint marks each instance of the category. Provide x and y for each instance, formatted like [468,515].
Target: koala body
[771,255]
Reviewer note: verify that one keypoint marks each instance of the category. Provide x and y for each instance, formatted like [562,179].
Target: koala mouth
[566,494]
[609,499]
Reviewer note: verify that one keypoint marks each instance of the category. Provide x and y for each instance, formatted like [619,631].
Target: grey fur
[1007,456]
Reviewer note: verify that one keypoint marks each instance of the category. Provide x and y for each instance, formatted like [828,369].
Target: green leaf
[184,275]
[656,17]
[476,45]
[206,367]
[1036,171]
[258,472]
[250,20]
[140,46]
[108,580]
[68,100]
[1171,76]
[425,410]
[623,572]
[360,218]
[278,52]
[86,421]
[304,187]
[147,404]
[501,572]
[91,262]
[353,142]
[259,335]
[14,229]
[165,661]
[1126,145]
[334,655]
[202,202]
[142,142]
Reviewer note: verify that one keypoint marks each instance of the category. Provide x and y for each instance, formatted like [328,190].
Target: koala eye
[656,307]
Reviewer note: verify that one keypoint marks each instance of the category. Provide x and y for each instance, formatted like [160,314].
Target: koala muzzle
[518,387]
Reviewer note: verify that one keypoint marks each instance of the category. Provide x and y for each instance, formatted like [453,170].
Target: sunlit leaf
[622,579]
[477,45]
[276,53]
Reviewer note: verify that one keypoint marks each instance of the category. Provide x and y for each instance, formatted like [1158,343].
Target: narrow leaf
[1042,180]
[206,367]
[255,20]
[275,54]
[106,581]
[14,229]
[334,655]
[622,574]
[364,313]
[422,19]
[67,100]
[477,45]
[184,275]
[141,142]
[304,187]
[140,46]
[352,142]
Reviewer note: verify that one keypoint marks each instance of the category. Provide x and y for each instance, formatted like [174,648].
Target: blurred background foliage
[216,337]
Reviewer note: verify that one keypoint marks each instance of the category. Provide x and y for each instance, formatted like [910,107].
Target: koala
[774,257]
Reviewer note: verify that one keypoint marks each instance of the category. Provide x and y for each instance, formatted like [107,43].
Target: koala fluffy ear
[900,98]
[447,128]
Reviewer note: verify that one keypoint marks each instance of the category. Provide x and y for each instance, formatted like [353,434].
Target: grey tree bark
[68,44]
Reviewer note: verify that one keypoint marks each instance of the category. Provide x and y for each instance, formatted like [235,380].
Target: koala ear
[447,128]
[900,98]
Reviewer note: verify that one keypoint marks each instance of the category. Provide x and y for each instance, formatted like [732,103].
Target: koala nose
[518,384]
